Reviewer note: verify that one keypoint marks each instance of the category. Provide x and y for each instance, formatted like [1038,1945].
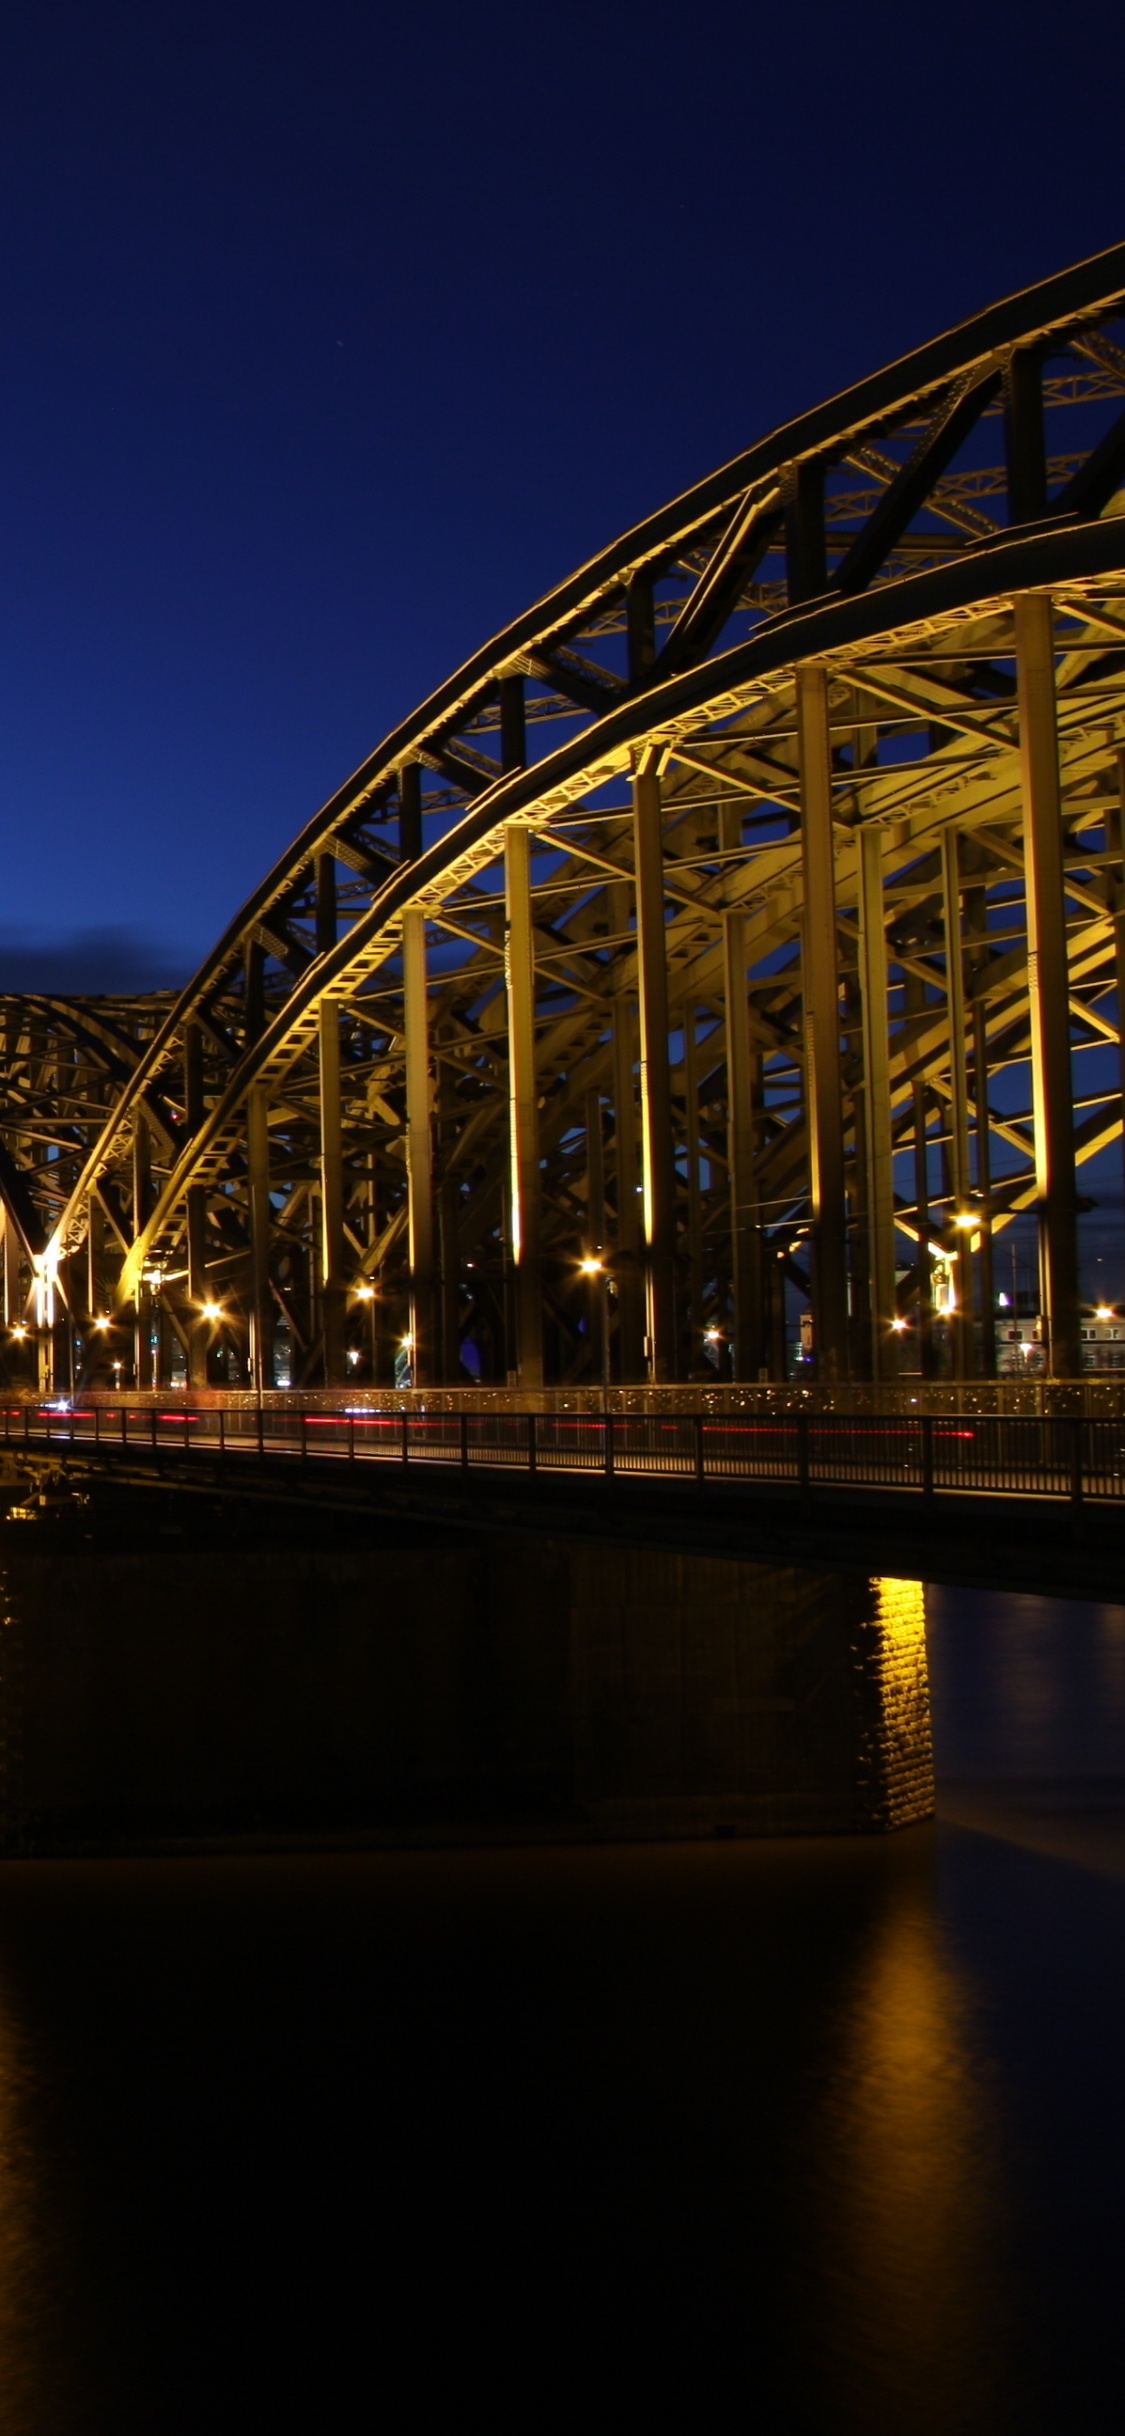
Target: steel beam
[657,1156]
[261,1298]
[964,1358]
[820,974]
[747,1353]
[419,1147]
[877,1111]
[523,1106]
[628,1280]
[1048,983]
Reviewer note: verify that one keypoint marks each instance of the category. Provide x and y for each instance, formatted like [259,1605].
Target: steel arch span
[750,909]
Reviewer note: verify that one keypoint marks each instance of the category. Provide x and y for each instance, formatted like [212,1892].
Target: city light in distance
[1103,1312]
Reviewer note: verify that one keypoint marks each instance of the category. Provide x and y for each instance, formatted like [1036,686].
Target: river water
[812,2136]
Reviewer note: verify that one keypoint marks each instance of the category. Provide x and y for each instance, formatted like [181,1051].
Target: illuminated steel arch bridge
[750,910]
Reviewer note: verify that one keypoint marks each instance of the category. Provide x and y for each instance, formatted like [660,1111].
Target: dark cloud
[106,960]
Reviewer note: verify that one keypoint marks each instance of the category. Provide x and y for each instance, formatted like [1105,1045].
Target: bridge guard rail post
[532,1450]
[1077,1479]
[927,1428]
[803,1453]
[152,1429]
[124,1427]
[304,1437]
[351,1435]
[262,1432]
[463,1430]
[405,1435]
[607,1445]
[699,1449]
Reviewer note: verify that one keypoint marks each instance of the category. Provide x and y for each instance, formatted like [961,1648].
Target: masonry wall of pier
[486,1689]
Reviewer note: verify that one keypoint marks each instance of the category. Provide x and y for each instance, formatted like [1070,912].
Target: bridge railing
[1067,1457]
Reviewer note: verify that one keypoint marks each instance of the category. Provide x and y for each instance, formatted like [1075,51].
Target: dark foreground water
[805,2136]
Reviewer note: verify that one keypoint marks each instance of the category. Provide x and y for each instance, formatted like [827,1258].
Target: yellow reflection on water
[912,2325]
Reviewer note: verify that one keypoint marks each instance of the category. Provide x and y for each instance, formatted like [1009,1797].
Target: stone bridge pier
[190,1687]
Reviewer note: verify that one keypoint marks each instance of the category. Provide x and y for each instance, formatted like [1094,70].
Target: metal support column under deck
[877,1085]
[142,1203]
[523,1106]
[823,1094]
[964,1361]
[261,1299]
[627,1264]
[333,1289]
[196,1210]
[747,1351]
[1048,986]
[419,1147]
[657,1156]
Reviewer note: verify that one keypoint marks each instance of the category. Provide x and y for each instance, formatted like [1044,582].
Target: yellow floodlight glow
[713,1335]
[898,1325]
[591,1266]
[966,1218]
[211,1311]
[103,1323]
[19,1329]
[407,1343]
[1103,1312]
[365,1294]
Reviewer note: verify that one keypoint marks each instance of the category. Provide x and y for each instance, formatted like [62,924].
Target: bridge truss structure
[751,910]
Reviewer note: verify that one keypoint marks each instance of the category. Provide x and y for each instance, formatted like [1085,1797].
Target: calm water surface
[821,2136]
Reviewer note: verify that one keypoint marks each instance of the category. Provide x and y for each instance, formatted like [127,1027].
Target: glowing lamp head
[1104,1312]
[102,1323]
[407,1343]
[966,1219]
[19,1330]
[591,1266]
[897,1326]
[713,1336]
[211,1311]
[365,1294]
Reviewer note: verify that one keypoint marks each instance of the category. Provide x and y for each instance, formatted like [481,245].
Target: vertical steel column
[419,1146]
[597,1314]
[984,1188]
[877,1082]
[196,1209]
[523,1105]
[1048,984]
[627,1262]
[1115,898]
[824,1100]
[13,1308]
[964,1362]
[657,1157]
[333,1287]
[692,1317]
[258,1176]
[142,1203]
[745,1214]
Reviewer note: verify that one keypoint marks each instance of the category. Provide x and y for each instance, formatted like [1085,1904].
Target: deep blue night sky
[333,334]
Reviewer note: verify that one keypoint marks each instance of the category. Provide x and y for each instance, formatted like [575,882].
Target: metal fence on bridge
[1067,1457]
